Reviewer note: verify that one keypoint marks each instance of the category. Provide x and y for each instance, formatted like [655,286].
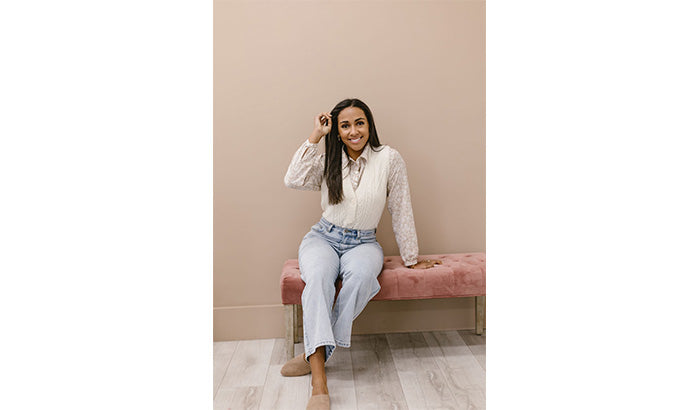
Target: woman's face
[353,129]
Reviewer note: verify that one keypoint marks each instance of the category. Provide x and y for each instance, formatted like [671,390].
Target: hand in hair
[426,264]
[322,126]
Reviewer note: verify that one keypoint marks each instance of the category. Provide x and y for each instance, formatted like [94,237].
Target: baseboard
[248,322]
[267,321]
[416,315]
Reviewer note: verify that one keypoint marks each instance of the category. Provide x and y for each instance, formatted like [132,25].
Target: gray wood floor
[412,371]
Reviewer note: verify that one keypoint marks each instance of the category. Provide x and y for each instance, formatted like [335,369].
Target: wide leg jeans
[326,253]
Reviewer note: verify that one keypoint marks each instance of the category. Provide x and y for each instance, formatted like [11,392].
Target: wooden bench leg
[290,329]
[298,324]
[480,314]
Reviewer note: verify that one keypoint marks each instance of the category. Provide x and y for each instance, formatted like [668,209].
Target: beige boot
[298,366]
[319,402]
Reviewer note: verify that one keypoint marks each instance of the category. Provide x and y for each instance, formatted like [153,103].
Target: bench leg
[298,325]
[480,314]
[290,328]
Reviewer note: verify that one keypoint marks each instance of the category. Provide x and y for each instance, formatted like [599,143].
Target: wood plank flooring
[411,371]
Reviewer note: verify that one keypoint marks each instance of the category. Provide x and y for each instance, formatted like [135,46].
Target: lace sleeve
[306,169]
[399,204]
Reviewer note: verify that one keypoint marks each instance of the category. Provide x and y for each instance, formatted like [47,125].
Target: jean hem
[313,349]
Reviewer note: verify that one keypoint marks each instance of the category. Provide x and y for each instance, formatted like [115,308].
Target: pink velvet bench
[460,275]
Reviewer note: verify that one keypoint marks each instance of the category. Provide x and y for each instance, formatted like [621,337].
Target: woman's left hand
[426,264]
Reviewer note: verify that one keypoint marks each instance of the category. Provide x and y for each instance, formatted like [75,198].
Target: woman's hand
[426,264]
[322,126]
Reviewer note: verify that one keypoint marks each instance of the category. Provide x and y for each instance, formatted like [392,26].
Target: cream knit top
[375,179]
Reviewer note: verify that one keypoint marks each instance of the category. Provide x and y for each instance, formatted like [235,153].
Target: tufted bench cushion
[460,275]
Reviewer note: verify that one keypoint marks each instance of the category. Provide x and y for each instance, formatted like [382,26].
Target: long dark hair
[334,148]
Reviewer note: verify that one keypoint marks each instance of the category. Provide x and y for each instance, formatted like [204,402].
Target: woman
[357,177]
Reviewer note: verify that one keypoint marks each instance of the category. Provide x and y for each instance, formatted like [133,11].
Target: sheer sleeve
[306,169]
[399,204]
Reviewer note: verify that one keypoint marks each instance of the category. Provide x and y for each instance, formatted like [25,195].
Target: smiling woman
[357,177]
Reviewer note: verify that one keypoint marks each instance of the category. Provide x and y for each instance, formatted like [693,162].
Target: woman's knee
[362,271]
[363,277]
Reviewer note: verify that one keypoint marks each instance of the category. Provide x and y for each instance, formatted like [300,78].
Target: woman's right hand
[322,126]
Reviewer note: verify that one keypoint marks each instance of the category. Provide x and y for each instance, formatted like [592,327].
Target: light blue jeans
[326,253]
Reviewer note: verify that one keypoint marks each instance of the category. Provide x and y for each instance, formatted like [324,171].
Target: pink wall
[420,66]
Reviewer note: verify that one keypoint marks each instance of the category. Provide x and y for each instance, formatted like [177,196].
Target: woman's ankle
[318,380]
[319,388]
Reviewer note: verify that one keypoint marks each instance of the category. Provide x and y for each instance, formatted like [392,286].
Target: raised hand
[322,126]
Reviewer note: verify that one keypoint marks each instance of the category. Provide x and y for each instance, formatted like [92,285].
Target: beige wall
[420,66]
